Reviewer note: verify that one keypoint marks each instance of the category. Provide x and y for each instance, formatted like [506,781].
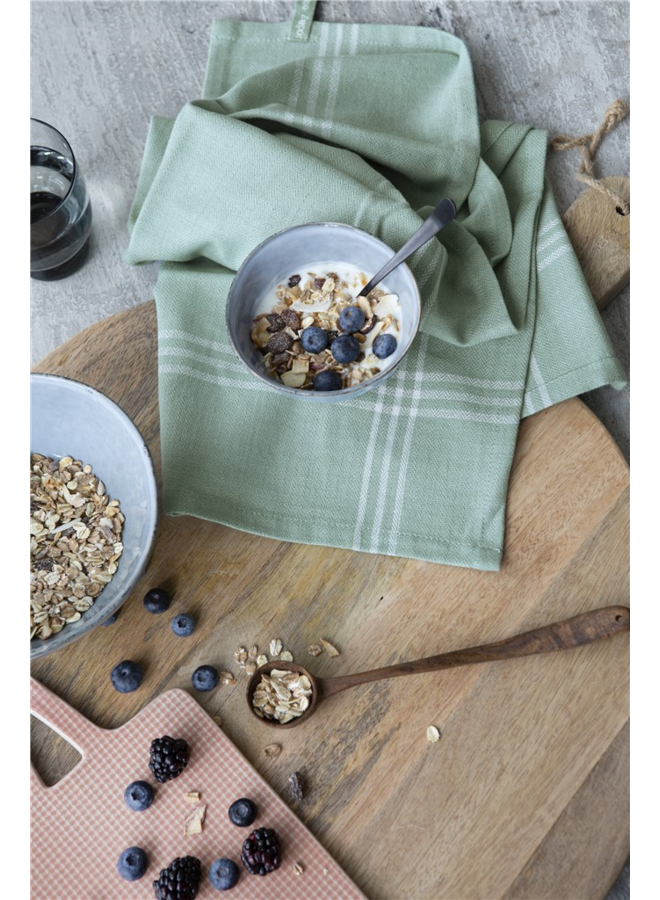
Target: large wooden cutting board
[526,793]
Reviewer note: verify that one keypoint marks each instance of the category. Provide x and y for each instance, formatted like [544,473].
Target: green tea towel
[370,125]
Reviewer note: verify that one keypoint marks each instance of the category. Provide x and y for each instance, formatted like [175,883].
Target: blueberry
[384,345]
[313,339]
[183,625]
[139,795]
[110,620]
[242,812]
[345,348]
[132,864]
[126,676]
[351,318]
[157,600]
[327,381]
[205,678]
[223,874]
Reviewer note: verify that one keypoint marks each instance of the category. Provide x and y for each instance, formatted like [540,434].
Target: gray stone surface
[99,70]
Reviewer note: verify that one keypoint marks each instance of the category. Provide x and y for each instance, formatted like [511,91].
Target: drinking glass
[60,209]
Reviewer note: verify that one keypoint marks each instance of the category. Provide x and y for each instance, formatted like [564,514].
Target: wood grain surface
[510,802]
[601,238]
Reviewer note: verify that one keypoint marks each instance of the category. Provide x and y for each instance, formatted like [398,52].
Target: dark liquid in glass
[60,216]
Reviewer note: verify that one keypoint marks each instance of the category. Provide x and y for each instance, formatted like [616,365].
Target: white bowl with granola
[297,322]
[93,510]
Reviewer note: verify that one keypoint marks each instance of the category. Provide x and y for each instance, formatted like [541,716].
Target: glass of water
[60,210]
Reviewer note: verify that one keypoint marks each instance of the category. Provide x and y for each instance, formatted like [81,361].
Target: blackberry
[261,852]
[180,880]
[168,757]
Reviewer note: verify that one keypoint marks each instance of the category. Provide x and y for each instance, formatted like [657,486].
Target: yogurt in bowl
[296,322]
[316,333]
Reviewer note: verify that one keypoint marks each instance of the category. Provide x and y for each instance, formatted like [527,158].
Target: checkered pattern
[80,825]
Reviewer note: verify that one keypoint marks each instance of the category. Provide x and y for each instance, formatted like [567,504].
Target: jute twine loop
[589,144]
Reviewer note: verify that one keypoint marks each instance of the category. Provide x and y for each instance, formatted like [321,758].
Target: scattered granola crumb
[315,649]
[227,678]
[193,824]
[298,868]
[286,656]
[272,750]
[262,659]
[192,796]
[297,785]
[329,648]
[241,656]
[433,734]
[275,647]
[218,720]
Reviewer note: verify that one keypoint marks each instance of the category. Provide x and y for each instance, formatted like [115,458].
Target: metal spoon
[583,629]
[442,215]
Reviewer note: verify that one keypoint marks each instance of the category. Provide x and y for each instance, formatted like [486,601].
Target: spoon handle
[595,625]
[442,215]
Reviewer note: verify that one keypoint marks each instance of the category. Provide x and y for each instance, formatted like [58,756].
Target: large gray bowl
[68,418]
[289,251]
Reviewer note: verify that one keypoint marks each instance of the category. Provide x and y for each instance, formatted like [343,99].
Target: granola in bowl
[316,334]
[75,542]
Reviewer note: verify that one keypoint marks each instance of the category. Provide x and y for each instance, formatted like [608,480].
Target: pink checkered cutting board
[80,825]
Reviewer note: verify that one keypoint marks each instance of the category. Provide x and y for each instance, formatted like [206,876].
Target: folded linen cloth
[371,125]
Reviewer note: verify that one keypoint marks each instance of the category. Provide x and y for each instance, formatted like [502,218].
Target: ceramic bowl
[68,418]
[289,251]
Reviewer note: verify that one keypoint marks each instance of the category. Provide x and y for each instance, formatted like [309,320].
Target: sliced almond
[300,364]
[329,648]
[388,305]
[193,824]
[192,796]
[292,379]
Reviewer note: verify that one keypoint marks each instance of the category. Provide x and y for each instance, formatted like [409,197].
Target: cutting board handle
[62,718]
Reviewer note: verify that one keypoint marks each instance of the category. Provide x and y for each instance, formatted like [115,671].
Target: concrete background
[99,70]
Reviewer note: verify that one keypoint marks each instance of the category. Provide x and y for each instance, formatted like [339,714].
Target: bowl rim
[354,389]
[42,648]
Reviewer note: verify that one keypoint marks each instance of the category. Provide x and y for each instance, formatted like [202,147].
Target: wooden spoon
[583,629]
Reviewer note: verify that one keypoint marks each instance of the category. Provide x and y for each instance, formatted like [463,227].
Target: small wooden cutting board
[526,793]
